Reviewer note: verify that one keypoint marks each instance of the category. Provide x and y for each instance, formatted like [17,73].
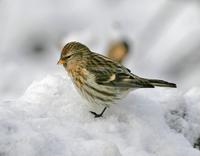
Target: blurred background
[162,37]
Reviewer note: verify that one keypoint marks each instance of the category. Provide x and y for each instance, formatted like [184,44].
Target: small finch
[118,50]
[99,79]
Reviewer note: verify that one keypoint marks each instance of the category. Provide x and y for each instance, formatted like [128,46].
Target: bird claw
[96,115]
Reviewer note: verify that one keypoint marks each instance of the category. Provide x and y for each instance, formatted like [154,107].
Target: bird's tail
[161,83]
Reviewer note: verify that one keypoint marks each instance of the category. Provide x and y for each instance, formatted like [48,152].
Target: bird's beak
[61,61]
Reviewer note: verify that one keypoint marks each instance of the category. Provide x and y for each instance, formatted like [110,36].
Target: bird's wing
[110,73]
[122,78]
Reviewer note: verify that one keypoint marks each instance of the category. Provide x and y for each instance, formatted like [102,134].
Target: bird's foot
[98,115]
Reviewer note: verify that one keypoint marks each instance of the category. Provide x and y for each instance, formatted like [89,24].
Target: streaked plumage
[99,79]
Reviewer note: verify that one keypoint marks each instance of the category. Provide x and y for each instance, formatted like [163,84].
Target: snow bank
[52,119]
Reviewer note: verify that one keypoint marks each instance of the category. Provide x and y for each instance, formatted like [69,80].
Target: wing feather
[110,73]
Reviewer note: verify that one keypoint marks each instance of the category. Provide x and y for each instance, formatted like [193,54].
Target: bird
[118,50]
[99,79]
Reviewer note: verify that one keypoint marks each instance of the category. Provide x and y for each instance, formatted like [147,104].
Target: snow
[51,118]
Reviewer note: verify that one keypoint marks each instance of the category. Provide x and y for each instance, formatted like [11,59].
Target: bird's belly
[98,94]
[102,95]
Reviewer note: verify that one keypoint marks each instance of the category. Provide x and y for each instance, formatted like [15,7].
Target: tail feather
[161,83]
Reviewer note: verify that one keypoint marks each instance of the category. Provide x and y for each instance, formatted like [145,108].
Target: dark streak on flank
[102,92]
[97,97]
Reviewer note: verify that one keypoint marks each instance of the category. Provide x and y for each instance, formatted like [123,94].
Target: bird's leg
[98,115]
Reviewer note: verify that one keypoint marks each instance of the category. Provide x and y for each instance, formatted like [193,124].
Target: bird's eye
[67,57]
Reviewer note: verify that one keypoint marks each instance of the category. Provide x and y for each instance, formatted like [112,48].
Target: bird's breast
[77,73]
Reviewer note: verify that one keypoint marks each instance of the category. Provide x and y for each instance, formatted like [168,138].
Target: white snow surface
[51,119]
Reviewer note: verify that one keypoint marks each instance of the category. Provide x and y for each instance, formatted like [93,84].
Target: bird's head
[72,49]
